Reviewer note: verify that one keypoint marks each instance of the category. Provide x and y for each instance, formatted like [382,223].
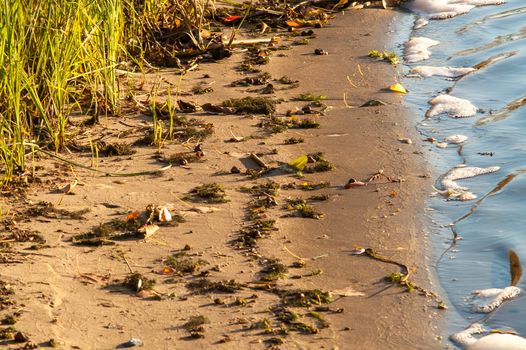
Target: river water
[496,137]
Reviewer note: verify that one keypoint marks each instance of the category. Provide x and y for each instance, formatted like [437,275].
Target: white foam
[417,49]
[442,9]
[487,300]
[456,139]
[454,106]
[421,22]
[449,72]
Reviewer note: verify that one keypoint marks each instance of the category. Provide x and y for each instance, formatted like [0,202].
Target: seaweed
[194,326]
[311,97]
[303,209]
[304,297]
[48,210]
[260,79]
[205,286]
[183,158]
[320,166]
[287,81]
[256,105]
[264,324]
[270,188]
[249,235]
[137,282]
[307,124]
[273,270]
[388,56]
[293,140]
[106,149]
[183,264]
[209,193]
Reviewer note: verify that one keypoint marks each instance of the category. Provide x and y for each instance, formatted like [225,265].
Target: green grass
[59,58]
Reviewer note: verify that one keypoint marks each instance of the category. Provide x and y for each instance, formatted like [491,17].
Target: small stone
[320,52]
[21,337]
[235,170]
[130,343]
[405,140]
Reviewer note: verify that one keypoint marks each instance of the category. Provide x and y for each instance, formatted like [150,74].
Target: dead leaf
[148,230]
[69,187]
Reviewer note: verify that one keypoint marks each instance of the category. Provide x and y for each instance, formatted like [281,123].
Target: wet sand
[74,294]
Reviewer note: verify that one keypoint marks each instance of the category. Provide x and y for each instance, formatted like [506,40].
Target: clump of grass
[311,97]
[388,56]
[320,166]
[313,186]
[293,140]
[137,282]
[275,125]
[303,209]
[205,286]
[264,324]
[209,193]
[287,81]
[319,197]
[255,105]
[273,270]
[194,326]
[270,188]
[183,264]
[202,89]
[307,123]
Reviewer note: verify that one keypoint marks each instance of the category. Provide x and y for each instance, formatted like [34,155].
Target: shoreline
[79,306]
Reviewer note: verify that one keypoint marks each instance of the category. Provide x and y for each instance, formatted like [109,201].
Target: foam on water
[448,72]
[442,9]
[417,49]
[455,107]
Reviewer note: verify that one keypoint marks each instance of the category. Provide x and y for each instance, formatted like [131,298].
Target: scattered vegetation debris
[216,109]
[273,270]
[255,105]
[305,123]
[313,186]
[260,79]
[293,140]
[299,264]
[205,286]
[209,193]
[257,229]
[319,317]
[8,333]
[373,103]
[320,166]
[401,279]
[188,107]
[270,188]
[194,326]
[48,210]
[268,90]
[305,297]
[137,282]
[107,149]
[303,209]
[388,56]
[288,81]
[9,320]
[202,89]
[264,324]
[182,264]
[311,97]
[275,125]
[183,158]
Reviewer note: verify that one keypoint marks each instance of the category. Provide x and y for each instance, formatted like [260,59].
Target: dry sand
[74,294]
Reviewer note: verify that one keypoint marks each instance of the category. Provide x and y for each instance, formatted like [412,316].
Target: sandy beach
[220,281]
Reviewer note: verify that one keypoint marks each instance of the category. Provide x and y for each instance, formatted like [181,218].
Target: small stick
[127,263]
[258,160]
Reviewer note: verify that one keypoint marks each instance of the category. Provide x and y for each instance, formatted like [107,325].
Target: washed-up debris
[130,343]
[373,103]
[137,282]
[311,97]
[182,264]
[303,209]
[205,286]
[188,107]
[405,140]
[293,140]
[194,326]
[354,183]
[256,105]
[260,79]
[48,210]
[320,52]
[183,158]
[304,297]
[209,193]
[398,88]
[273,270]
[107,149]
[388,56]
[456,139]
[138,225]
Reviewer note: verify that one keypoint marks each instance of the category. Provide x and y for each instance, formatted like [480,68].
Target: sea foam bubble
[455,107]
[448,72]
[442,9]
[417,49]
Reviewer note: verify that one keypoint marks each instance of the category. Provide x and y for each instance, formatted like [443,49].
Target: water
[479,260]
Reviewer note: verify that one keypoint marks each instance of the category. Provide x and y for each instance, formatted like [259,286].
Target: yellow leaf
[293,24]
[398,88]
[299,163]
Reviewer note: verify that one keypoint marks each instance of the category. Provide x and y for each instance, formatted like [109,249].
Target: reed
[58,58]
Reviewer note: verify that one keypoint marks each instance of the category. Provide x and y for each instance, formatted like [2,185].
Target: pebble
[131,343]
[405,140]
